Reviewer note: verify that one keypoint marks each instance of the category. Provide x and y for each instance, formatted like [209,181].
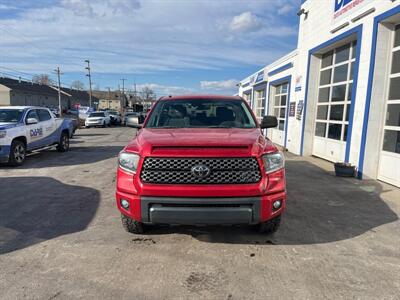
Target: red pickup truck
[201,160]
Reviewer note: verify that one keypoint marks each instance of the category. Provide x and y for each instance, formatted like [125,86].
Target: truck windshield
[201,113]
[10,115]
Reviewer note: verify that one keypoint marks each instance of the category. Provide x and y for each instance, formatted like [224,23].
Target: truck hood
[201,141]
[7,125]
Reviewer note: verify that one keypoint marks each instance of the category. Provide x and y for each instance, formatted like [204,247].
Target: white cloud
[6,7]
[79,7]
[164,90]
[123,6]
[223,85]
[132,37]
[245,22]
[286,9]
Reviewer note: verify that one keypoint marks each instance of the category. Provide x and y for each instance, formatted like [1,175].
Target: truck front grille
[220,170]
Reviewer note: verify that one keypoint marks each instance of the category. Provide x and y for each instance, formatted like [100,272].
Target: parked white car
[98,118]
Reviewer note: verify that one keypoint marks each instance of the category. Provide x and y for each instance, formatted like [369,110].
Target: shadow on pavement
[77,155]
[321,208]
[36,209]
[90,134]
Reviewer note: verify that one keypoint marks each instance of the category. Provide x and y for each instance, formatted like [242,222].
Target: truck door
[34,131]
[49,127]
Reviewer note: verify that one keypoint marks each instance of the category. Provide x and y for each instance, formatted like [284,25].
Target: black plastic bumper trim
[200,211]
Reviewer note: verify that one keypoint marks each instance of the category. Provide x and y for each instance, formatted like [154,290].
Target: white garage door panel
[389,168]
[329,149]
[278,137]
[334,100]
[389,164]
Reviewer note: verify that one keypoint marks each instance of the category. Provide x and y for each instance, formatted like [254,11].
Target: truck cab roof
[206,97]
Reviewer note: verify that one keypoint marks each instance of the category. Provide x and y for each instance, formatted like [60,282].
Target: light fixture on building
[302,12]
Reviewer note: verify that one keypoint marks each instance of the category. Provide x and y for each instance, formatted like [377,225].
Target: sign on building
[345,8]
[292,109]
[299,111]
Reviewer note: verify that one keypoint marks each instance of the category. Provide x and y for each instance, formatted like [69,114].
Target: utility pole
[123,90]
[108,97]
[59,89]
[90,82]
[134,84]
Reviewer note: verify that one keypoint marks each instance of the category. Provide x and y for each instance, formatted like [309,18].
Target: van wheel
[271,226]
[131,225]
[63,144]
[17,153]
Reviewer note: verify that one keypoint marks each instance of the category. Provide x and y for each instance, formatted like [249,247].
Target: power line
[16,71]
[24,73]
[12,75]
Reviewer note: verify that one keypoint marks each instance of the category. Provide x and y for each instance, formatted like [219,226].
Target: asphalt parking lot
[61,237]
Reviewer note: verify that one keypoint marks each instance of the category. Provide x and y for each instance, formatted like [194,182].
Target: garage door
[334,102]
[279,103]
[389,165]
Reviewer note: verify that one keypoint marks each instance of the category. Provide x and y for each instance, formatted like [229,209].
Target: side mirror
[140,119]
[269,122]
[30,121]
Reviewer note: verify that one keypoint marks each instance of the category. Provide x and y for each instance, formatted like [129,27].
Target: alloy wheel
[19,153]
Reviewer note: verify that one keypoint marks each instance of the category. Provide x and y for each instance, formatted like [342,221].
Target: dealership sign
[260,77]
[346,7]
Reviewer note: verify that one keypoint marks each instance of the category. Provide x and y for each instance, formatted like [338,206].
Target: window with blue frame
[391,141]
[259,102]
[335,92]
[280,102]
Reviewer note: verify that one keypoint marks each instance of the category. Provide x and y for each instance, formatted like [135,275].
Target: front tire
[17,153]
[271,226]
[63,144]
[131,225]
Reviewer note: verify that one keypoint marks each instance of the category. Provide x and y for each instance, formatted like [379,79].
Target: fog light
[125,203]
[277,204]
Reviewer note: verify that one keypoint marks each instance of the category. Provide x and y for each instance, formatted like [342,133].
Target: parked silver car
[133,119]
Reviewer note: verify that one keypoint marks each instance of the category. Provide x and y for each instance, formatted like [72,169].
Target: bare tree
[77,85]
[42,79]
[147,94]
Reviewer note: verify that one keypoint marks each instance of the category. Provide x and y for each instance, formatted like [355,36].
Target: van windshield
[201,113]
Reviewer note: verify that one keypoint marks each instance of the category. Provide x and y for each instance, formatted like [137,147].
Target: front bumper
[200,211]
[201,204]
[94,123]
[4,153]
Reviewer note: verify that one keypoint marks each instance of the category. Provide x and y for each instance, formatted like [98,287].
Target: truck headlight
[3,133]
[273,162]
[128,161]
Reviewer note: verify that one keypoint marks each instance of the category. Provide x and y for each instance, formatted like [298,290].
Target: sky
[172,46]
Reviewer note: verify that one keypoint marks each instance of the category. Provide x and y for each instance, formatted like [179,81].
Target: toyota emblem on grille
[200,171]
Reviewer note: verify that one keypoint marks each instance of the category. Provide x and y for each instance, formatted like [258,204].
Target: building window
[280,102]
[247,97]
[391,139]
[259,103]
[335,92]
